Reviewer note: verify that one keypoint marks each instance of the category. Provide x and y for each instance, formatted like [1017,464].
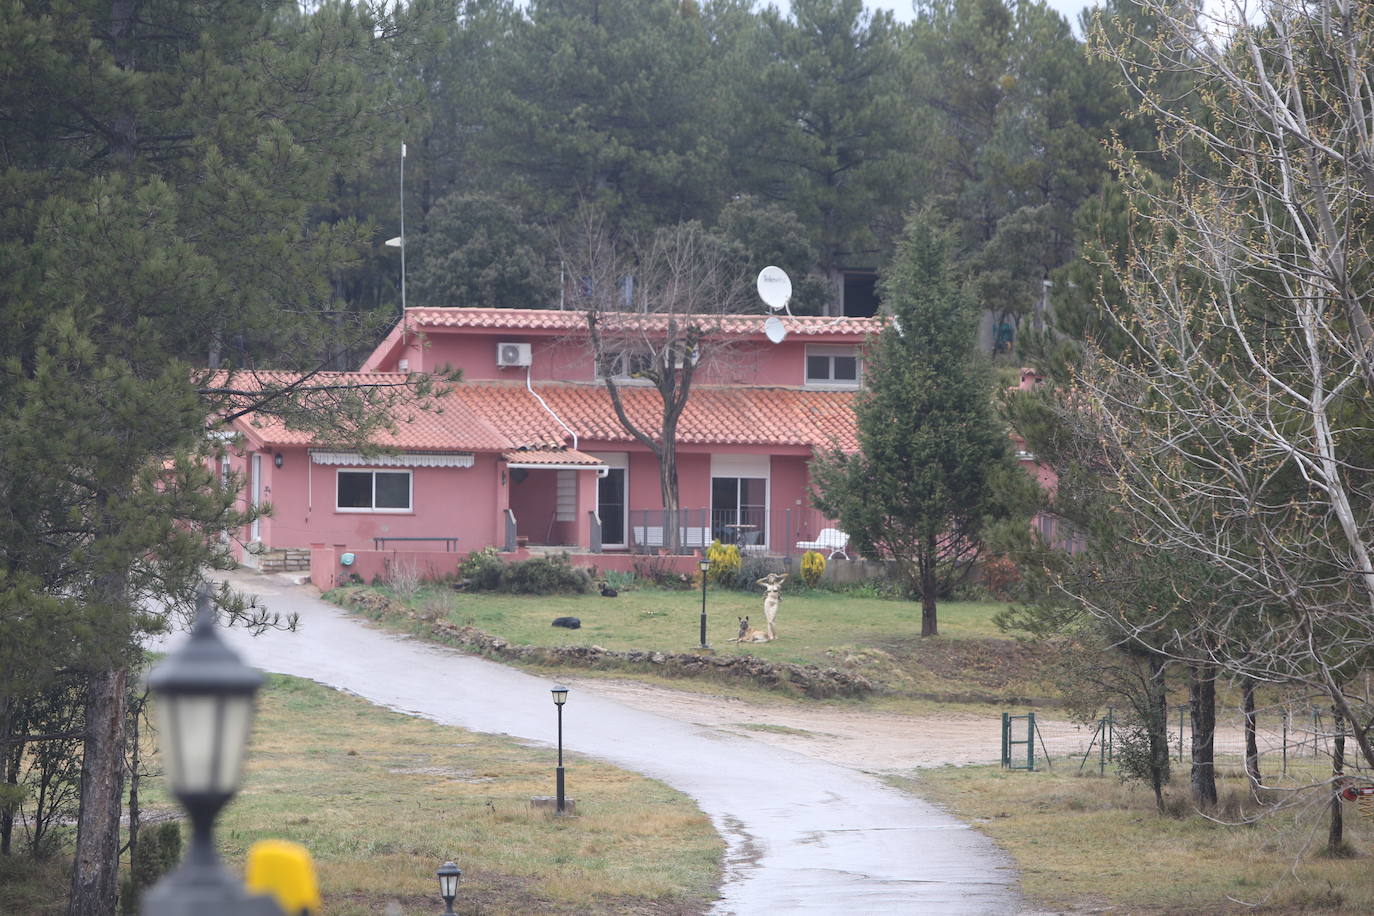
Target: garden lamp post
[560,696]
[703,564]
[449,875]
[204,699]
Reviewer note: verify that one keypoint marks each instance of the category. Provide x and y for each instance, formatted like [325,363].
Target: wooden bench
[450,544]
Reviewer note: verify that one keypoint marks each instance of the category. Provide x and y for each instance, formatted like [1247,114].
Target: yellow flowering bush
[725,562]
[812,568]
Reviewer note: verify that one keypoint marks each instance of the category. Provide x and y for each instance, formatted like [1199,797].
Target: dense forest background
[803,140]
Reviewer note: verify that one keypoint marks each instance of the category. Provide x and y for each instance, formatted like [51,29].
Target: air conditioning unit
[512,354]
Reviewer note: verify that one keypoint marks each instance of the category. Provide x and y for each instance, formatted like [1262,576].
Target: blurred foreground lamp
[448,884]
[204,699]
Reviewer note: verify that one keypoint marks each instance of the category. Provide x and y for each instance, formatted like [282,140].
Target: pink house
[526,450]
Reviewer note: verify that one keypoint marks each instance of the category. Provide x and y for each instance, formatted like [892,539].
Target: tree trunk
[1159,730]
[135,809]
[123,132]
[95,869]
[1252,769]
[1202,707]
[667,485]
[13,755]
[1335,839]
[928,623]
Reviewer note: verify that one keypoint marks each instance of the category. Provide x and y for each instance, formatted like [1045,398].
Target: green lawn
[970,661]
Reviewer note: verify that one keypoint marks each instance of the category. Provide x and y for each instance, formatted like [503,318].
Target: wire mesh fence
[1295,743]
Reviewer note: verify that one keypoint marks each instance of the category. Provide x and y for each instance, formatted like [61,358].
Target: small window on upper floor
[833,367]
[624,366]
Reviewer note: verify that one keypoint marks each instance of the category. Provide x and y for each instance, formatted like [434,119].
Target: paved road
[803,836]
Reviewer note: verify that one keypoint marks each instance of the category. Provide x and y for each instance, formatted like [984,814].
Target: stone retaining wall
[811,680]
[289,559]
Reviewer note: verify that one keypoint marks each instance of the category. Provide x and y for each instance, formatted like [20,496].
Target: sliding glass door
[739,510]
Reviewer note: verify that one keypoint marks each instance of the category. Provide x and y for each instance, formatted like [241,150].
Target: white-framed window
[372,491]
[739,500]
[833,367]
[625,365]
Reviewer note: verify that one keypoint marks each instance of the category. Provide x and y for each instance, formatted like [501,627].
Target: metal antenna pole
[403,231]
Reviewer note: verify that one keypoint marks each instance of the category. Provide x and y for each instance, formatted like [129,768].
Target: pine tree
[935,468]
[166,162]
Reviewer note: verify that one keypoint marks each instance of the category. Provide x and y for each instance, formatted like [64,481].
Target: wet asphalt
[803,836]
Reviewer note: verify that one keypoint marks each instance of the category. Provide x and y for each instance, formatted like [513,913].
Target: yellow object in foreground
[285,871]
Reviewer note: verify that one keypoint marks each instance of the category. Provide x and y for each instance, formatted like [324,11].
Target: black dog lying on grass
[571,623]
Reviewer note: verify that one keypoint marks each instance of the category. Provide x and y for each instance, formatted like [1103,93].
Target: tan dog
[772,598]
[749,634]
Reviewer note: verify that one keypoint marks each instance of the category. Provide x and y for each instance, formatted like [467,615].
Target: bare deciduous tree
[1238,420]
[656,310]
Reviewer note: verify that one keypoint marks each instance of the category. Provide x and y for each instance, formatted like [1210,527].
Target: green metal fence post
[1006,750]
[1285,742]
[1102,749]
[1030,742]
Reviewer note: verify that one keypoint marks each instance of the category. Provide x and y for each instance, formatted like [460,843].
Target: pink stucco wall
[468,503]
[532,501]
[327,570]
[464,503]
[787,491]
[564,357]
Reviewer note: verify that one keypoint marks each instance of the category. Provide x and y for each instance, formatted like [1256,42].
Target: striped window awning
[403,460]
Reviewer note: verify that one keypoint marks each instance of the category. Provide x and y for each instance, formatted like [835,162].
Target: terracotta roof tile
[557,320]
[495,416]
[551,456]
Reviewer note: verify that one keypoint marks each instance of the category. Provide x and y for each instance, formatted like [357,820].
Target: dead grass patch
[381,799]
[1086,841]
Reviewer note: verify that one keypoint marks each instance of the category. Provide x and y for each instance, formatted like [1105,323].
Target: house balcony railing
[759,531]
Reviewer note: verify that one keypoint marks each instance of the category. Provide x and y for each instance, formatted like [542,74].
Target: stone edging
[812,680]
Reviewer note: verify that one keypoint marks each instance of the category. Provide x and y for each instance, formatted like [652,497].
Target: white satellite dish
[773,329]
[775,288]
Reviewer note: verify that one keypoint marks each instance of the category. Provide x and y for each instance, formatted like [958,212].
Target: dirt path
[871,741]
[876,742]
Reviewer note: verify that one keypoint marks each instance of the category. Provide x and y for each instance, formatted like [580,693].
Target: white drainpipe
[547,408]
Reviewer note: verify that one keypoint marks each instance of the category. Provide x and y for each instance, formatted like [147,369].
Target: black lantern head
[449,876]
[560,695]
[205,704]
